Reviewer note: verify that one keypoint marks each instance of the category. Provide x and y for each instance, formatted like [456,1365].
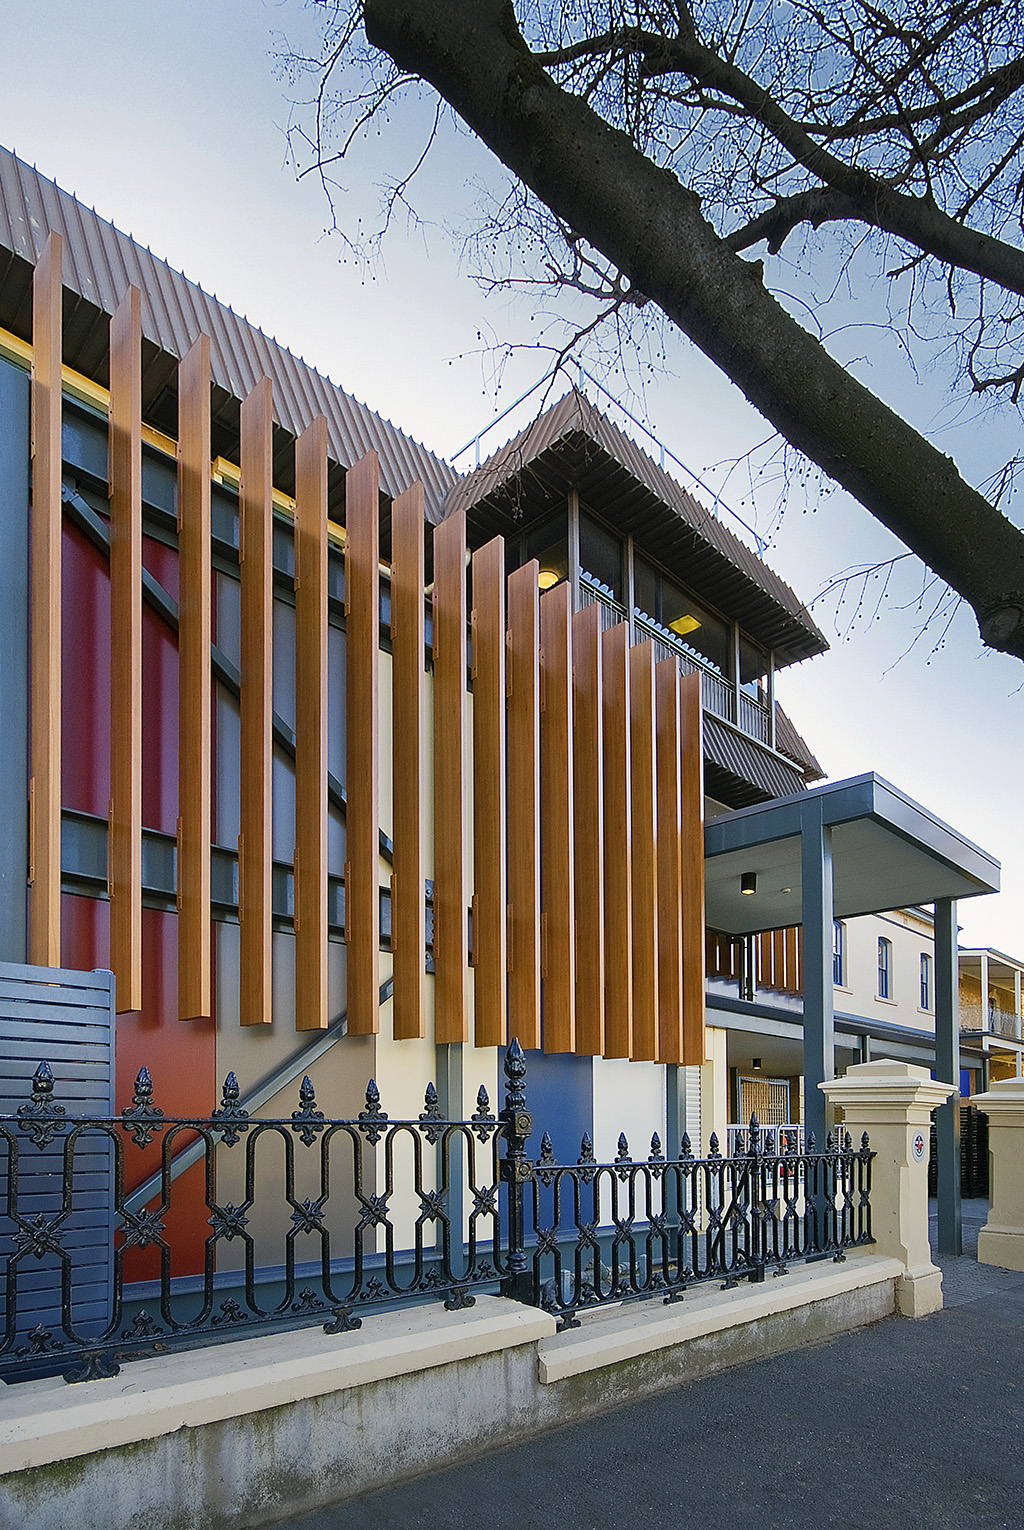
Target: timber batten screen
[45,739]
[588,842]
[535,892]
[523,682]
[668,746]
[362,703]
[255,845]
[194,683]
[311,727]
[408,636]
[558,947]
[124,852]
[490,898]
[644,867]
[451,949]
[618,843]
[692,816]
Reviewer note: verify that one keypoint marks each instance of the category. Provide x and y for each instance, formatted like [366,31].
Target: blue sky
[170,120]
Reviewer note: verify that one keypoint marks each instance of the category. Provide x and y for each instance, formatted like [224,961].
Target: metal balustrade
[774,1139]
[611,612]
[993,1022]
[718,693]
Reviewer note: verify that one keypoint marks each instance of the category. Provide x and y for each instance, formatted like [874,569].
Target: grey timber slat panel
[70,1027]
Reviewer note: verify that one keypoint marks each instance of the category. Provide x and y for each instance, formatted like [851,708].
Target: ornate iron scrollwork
[232,1118]
[142,1118]
[40,1117]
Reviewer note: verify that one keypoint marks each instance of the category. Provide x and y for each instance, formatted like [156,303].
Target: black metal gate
[973,1155]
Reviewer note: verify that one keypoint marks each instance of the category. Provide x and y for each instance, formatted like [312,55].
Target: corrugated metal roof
[100,263]
[573,444]
[789,741]
[752,774]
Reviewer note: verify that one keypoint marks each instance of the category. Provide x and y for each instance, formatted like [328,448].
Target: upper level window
[549,544]
[926,980]
[754,665]
[884,968]
[601,558]
[839,953]
[663,603]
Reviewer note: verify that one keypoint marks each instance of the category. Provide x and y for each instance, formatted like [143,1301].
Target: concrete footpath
[908,1425]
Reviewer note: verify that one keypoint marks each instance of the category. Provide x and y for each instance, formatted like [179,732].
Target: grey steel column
[819,1025]
[14,678]
[947,1069]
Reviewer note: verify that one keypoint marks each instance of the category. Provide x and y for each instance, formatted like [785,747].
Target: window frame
[838,953]
[884,967]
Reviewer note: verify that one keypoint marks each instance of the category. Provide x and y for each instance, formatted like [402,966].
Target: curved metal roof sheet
[752,774]
[100,263]
[791,743]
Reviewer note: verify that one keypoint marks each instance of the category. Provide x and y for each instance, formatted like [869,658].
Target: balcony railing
[787,1138]
[719,694]
[998,1022]
[611,612]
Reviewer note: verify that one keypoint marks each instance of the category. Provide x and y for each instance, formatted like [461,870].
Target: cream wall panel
[628,1097]
[910,936]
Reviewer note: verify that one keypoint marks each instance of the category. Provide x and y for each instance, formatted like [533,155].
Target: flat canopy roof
[888,852]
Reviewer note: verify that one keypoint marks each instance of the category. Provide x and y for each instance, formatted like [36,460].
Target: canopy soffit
[888,852]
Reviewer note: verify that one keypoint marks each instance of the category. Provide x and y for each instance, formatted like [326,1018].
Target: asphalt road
[916,1425]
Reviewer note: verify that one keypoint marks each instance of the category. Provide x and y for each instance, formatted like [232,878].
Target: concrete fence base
[248,1432]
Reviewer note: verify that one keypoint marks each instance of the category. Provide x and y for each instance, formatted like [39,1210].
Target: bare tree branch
[652,229]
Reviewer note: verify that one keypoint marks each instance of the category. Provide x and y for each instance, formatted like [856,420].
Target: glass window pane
[753,669]
[884,953]
[687,623]
[838,953]
[645,587]
[549,544]
[601,557]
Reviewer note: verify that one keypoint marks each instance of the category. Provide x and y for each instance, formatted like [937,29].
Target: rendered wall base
[254,1466]
[919,1292]
[1001,1240]
[1003,1246]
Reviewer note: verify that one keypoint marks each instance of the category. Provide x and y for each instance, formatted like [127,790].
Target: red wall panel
[85,681]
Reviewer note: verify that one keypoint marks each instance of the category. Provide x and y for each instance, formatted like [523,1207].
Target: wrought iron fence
[285,1219]
[611,1232]
[303,1218]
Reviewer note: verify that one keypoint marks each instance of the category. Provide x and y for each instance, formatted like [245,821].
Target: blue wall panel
[560,1093]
